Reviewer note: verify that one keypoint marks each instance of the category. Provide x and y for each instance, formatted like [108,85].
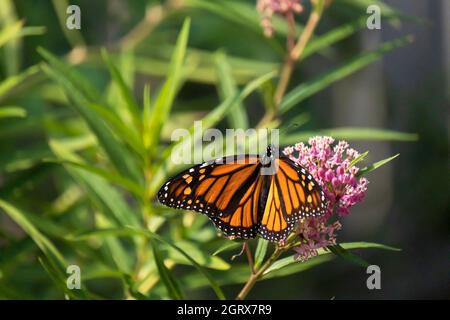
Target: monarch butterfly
[241,201]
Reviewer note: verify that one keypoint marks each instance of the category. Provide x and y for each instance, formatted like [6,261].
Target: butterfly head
[269,150]
[268,158]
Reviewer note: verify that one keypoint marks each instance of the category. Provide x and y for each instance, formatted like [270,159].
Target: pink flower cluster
[268,8]
[314,234]
[331,165]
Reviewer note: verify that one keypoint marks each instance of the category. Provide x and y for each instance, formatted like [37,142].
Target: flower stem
[254,277]
[295,53]
[249,257]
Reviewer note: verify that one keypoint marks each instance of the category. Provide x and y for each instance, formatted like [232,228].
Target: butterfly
[248,195]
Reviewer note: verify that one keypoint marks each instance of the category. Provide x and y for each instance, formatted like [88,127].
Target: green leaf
[12,112]
[130,136]
[370,245]
[350,133]
[129,232]
[260,252]
[287,266]
[290,265]
[83,86]
[13,81]
[228,245]
[227,87]
[12,52]
[329,38]
[125,183]
[118,154]
[103,195]
[60,278]
[54,262]
[243,69]
[306,90]
[163,104]
[358,159]
[125,91]
[353,258]
[202,258]
[376,165]
[41,241]
[17,30]
[146,117]
[172,286]
[10,32]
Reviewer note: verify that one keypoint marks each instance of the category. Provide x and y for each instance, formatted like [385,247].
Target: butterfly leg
[246,248]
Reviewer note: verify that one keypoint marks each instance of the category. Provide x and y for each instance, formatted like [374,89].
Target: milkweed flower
[267,8]
[331,165]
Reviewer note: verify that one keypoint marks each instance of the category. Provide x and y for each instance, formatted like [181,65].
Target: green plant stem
[153,17]
[249,257]
[254,277]
[295,53]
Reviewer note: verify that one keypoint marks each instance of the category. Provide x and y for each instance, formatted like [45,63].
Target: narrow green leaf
[376,165]
[12,49]
[163,104]
[329,38]
[58,278]
[12,112]
[202,258]
[82,85]
[11,82]
[305,90]
[358,159]
[118,154]
[129,185]
[347,255]
[54,262]
[228,245]
[17,30]
[243,69]
[10,32]
[290,265]
[350,133]
[287,266]
[146,118]
[130,136]
[102,194]
[227,87]
[173,289]
[129,232]
[124,90]
[41,241]
[370,245]
[260,252]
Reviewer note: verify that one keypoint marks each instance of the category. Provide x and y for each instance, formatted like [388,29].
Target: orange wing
[293,195]
[226,190]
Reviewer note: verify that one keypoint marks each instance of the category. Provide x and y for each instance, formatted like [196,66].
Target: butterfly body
[247,195]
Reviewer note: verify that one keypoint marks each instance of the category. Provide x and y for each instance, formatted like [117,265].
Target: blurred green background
[407,90]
